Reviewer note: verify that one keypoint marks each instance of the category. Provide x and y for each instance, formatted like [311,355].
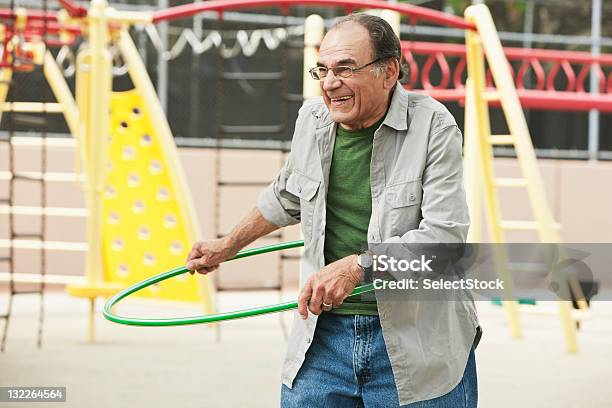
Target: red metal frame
[72,9]
[39,28]
[39,24]
[32,15]
[544,64]
[416,13]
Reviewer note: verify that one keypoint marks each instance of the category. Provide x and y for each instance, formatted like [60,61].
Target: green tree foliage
[571,17]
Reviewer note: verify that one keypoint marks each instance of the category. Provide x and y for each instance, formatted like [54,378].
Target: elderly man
[370,163]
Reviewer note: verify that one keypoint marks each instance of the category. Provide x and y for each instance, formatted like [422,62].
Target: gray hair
[384,42]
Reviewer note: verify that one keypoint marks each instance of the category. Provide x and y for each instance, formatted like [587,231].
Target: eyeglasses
[342,71]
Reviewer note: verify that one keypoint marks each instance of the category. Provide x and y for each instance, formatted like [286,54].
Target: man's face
[349,44]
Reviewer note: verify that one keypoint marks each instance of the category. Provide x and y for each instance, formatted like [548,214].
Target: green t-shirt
[349,206]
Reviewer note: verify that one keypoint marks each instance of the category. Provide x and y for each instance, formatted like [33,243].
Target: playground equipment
[140,216]
[479,155]
[139,212]
[20,61]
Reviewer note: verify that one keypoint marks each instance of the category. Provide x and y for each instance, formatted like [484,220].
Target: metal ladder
[480,178]
[36,238]
[16,23]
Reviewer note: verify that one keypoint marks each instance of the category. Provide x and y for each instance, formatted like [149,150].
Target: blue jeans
[347,365]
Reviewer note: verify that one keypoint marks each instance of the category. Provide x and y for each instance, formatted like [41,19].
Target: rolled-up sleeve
[276,204]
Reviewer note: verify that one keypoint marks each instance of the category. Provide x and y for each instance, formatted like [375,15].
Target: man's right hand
[205,256]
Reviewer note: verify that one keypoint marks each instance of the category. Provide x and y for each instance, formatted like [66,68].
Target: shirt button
[412,197]
[299,189]
[323,233]
[308,339]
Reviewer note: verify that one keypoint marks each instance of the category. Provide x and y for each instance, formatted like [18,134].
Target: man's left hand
[331,285]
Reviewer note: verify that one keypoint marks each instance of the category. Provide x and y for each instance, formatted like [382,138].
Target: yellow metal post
[6,75]
[95,134]
[393,18]
[313,35]
[471,166]
[5,79]
[97,129]
[82,98]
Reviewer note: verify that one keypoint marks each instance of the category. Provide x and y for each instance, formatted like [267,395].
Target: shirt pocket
[403,202]
[305,189]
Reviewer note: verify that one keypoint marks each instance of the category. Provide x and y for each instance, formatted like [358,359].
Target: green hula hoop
[238,314]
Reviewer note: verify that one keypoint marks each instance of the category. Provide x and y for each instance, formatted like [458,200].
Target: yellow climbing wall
[144,231]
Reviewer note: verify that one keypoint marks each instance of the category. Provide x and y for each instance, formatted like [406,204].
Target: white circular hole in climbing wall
[155,166]
[146,140]
[163,194]
[110,192]
[138,207]
[113,218]
[117,244]
[128,153]
[170,221]
[144,233]
[123,270]
[176,248]
[148,259]
[133,180]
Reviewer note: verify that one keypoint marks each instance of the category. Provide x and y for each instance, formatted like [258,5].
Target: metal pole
[97,128]
[528,24]
[141,35]
[594,82]
[194,104]
[162,64]
[528,43]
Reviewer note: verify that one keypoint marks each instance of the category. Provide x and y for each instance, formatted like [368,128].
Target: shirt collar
[397,115]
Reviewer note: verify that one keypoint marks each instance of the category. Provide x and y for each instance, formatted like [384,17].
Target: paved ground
[188,367]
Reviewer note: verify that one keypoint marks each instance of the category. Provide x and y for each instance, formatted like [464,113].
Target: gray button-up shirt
[417,197]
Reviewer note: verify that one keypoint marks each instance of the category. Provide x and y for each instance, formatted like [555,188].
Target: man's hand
[205,256]
[331,285]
